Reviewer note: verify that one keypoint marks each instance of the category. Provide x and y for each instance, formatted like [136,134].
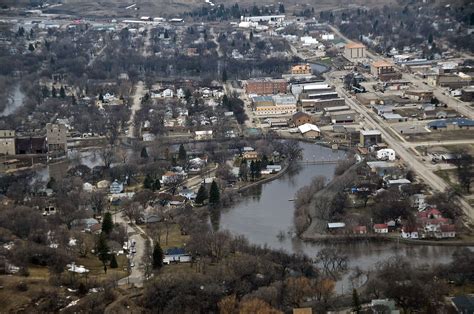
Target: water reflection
[261,219]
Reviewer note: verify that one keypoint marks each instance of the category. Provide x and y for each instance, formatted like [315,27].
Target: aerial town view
[184,156]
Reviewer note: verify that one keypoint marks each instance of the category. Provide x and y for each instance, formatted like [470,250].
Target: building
[381,228]
[348,116]
[354,52]
[203,135]
[116,187]
[451,124]
[454,81]
[301,118]
[176,255]
[274,105]
[266,86]
[359,230]
[301,69]
[419,95]
[251,155]
[370,137]
[264,18]
[384,71]
[7,142]
[56,136]
[30,145]
[386,154]
[309,130]
[467,94]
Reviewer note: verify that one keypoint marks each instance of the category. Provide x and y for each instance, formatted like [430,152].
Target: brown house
[301,118]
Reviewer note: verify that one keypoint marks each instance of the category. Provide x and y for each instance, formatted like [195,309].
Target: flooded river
[267,210]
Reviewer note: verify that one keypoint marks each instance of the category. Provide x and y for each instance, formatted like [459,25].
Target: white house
[116,187]
[386,154]
[409,233]
[381,228]
[203,135]
[176,255]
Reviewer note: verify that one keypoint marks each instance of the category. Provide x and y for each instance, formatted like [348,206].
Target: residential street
[136,105]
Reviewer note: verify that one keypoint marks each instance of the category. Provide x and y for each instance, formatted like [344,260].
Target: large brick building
[266,86]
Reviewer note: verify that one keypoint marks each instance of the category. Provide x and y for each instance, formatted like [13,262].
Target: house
[336,227]
[386,154]
[85,224]
[359,230]
[409,232]
[176,255]
[309,130]
[397,182]
[116,187]
[381,228]
[418,201]
[301,118]
[188,194]
[203,135]
[273,168]
[451,124]
[448,231]
[250,155]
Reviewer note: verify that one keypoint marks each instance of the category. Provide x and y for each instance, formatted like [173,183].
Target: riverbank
[346,238]
[265,180]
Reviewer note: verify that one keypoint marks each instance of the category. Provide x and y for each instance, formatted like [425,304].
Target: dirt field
[441,136]
[167,8]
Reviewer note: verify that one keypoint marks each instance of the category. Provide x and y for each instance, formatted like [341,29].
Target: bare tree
[108,156]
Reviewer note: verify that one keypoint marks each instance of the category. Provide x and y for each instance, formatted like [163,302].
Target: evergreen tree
[148,182]
[107,223]
[224,75]
[281,8]
[430,38]
[101,97]
[157,256]
[62,92]
[103,250]
[45,91]
[214,194]
[144,153]
[356,307]
[31,47]
[251,36]
[21,31]
[182,154]
[53,91]
[201,195]
[113,261]
[156,185]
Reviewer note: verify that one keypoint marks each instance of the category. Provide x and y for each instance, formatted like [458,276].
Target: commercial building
[274,105]
[348,116]
[301,118]
[454,81]
[7,142]
[451,124]
[56,136]
[309,130]
[30,145]
[354,52]
[467,94]
[370,137]
[384,71]
[266,86]
[419,95]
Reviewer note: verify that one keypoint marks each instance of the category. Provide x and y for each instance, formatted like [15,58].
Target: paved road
[136,105]
[134,232]
[442,143]
[403,149]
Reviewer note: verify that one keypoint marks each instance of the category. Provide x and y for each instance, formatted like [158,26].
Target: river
[267,210]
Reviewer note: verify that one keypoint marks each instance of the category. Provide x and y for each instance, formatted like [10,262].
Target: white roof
[308,127]
[399,181]
[316,86]
[370,132]
[336,225]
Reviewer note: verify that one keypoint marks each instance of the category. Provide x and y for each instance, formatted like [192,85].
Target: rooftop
[382,63]
[370,132]
[354,45]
